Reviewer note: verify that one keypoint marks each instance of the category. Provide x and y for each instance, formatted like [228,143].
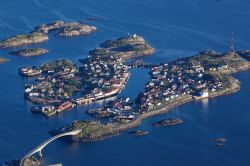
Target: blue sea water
[176,29]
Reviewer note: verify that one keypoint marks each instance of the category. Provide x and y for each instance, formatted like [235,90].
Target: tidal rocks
[138,132]
[24,39]
[28,52]
[2,60]
[66,29]
[220,141]
[168,122]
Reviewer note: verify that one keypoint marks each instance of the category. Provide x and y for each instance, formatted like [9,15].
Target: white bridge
[41,146]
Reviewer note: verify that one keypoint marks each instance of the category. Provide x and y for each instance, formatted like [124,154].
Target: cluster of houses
[119,110]
[49,110]
[103,78]
[53,86]
[52,90]
[168,83]
[61,82]
[30,71]
[172,81]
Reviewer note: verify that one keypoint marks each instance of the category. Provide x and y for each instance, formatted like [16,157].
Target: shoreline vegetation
[214,69]
[40,34]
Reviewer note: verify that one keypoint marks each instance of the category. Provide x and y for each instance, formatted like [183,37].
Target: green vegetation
[58,65]
[104,52]
[72,86]
[123,41]
[92,130]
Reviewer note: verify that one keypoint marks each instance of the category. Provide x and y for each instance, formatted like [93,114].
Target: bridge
[39,148]
[140,64]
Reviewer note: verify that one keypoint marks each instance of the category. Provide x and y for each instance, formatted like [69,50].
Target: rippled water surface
[175,28]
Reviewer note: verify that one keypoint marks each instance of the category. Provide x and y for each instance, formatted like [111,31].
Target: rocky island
[40,34]
[24,39]
[207,74]
[127,47]
[29,52]
[66,28]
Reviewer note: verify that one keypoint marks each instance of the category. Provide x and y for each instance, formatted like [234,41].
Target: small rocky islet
[40,34]
[3,60]
[29,52]
[220,141]
[168,122]
[138,132]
